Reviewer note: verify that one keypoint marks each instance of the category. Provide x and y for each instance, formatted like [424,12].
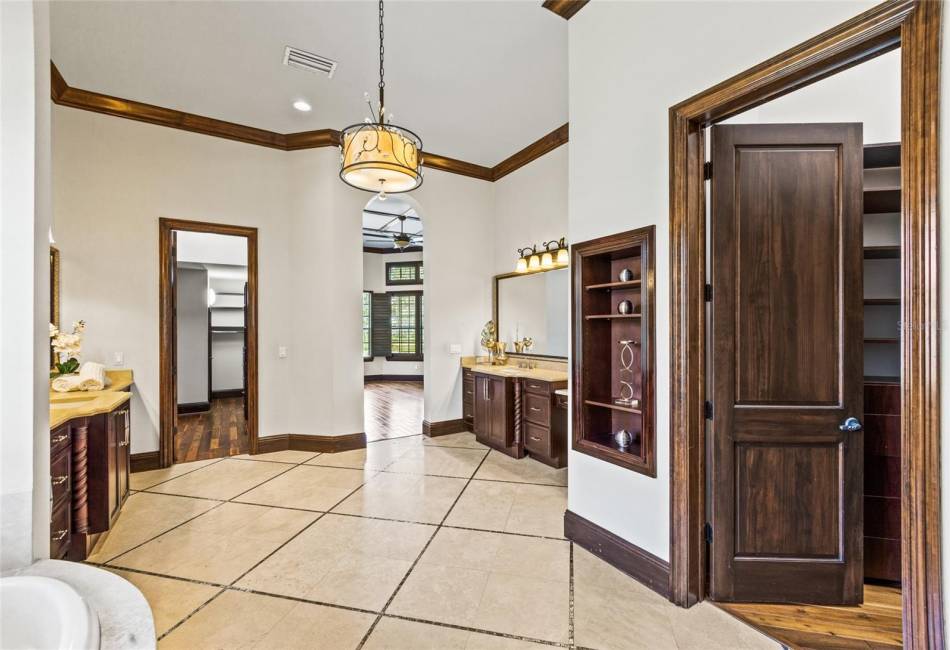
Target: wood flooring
[218,433]
[392,409]
[875,624]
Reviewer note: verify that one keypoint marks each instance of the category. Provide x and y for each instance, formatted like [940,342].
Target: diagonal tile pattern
[410,543]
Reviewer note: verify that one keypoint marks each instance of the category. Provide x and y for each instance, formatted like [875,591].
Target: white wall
[620,94]
[192,315]
[374,279]
[24,283]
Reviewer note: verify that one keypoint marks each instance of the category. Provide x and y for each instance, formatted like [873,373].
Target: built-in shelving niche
[599,326]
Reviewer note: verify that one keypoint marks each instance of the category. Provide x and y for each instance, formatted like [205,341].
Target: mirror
[536,306]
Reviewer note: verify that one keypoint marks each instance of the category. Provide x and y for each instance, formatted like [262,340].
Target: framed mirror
[534,306]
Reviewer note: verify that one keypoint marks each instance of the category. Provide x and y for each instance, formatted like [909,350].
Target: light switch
[455,348]
[118,358]
[282,351]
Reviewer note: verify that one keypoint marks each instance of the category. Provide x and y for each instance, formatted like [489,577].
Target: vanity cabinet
[545,425]
[61,490]
[108,467]
[494,414]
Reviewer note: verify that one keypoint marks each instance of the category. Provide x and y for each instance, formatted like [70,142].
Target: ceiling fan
[400,240]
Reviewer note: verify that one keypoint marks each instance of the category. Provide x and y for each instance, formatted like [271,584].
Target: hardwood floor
[219,433]
[875,624]
[392,409]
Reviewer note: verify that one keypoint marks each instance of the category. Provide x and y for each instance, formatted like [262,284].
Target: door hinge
[707,292]
[707,170]
[707,532]
[707,410]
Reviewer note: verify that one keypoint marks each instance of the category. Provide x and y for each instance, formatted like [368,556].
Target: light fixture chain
[382,71]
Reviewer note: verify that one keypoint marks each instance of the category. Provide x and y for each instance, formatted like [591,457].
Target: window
[405,325]
[403,273]
[367,324]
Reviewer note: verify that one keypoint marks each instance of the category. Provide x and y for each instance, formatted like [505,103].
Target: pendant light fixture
[378,156]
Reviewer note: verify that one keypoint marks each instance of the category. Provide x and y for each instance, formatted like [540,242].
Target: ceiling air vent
[297,58]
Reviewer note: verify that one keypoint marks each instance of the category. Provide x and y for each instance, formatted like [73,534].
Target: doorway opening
[778,474]
[393,318]
[208,341]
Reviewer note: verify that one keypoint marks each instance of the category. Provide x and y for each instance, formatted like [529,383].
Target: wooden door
[113,438]
[786,334]
[482,408]
[123,433]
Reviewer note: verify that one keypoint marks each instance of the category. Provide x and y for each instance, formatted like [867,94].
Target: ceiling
[380,218]
[477,81]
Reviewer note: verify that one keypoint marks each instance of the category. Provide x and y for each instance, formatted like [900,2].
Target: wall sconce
[555,254]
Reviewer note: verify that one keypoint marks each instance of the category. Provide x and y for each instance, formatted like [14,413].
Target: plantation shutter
[381,326]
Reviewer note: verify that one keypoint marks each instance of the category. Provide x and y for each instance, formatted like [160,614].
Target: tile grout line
[570,596]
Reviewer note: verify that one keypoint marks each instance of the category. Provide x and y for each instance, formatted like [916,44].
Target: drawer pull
[59,480]
[535,408]
[60,534]
[59,438]
[535,438]
[123,443]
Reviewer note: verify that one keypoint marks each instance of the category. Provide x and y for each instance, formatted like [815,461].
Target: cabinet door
[113,437]
[482,408]
[122,460]
[498,397]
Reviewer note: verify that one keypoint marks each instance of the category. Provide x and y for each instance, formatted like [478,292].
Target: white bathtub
[43,613]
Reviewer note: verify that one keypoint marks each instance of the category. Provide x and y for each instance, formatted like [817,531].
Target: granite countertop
[80,404]
[541,374]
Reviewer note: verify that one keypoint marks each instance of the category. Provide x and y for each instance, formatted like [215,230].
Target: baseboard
[194,407]
[619,553]
[231,392]
[443,428]
[144,462]
[301,442]
[367,378]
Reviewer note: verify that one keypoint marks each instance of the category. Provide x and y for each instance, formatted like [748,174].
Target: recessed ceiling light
[301,105]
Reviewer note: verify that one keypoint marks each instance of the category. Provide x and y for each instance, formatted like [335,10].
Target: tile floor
[410,543]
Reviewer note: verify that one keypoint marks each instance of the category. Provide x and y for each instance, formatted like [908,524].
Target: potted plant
[67,347]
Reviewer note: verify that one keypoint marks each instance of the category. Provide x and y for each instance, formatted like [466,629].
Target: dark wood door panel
[787,509]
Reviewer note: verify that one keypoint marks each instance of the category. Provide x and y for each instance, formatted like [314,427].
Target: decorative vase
[626,275]
[625,307]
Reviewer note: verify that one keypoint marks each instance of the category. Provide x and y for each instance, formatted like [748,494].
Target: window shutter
[380,340]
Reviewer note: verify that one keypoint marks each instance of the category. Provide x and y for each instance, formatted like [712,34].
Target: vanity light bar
[555,255]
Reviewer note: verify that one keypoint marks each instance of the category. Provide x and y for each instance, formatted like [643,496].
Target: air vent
[309,61]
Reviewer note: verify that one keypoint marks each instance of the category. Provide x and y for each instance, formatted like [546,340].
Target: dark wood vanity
[89,476]
[516,415]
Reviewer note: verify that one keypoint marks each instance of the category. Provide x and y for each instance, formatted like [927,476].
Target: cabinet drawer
[59,531]
[537,439]
[60,479]
[537,409]
[537,386]
[58,440]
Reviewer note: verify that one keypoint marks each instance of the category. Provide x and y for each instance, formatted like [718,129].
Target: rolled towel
[65,383]
[92,376]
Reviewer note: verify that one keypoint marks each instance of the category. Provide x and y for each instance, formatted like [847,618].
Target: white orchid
[67,346]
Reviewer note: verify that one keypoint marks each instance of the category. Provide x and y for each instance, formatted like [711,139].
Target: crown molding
[564,8]
[65,95]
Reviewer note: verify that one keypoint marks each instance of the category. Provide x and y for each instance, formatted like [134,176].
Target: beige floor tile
[464,439]
[145,516]
[343,560]
[223,480]
[283,456]
[513,508]
[171,600]
[499,467]
[145,480]
[307,486]
[407,497]
[242,620]
[220,546]
[502,583]
[704,626]
[377,455]
[439,461]
[397,634]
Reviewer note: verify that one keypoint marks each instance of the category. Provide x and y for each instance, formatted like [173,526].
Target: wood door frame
[914,27]
[168,389]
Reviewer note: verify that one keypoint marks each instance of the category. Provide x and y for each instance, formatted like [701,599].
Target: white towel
[66,383]
[92,376]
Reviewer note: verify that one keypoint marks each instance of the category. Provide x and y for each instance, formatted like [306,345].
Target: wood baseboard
[301,442]
[232,392]
[619,553]
[144,462]
[443,428]
[194,407]
[367,378]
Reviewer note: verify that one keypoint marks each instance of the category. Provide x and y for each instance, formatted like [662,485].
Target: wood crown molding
[564,8]
[65,95]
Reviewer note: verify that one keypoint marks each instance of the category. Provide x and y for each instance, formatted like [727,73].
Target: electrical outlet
[282,351]
[455,348]
[118,358]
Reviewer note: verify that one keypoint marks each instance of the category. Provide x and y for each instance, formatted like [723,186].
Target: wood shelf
[882,201]
[882,301]
[610,316]
[881,379]
[632,284]
[608,404]
[877,156]
[882,252]
[882,341]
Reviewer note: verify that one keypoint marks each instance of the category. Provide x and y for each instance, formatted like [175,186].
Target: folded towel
[66,383]
[92,376]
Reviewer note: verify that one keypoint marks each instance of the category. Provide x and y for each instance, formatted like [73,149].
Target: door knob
[851,424]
